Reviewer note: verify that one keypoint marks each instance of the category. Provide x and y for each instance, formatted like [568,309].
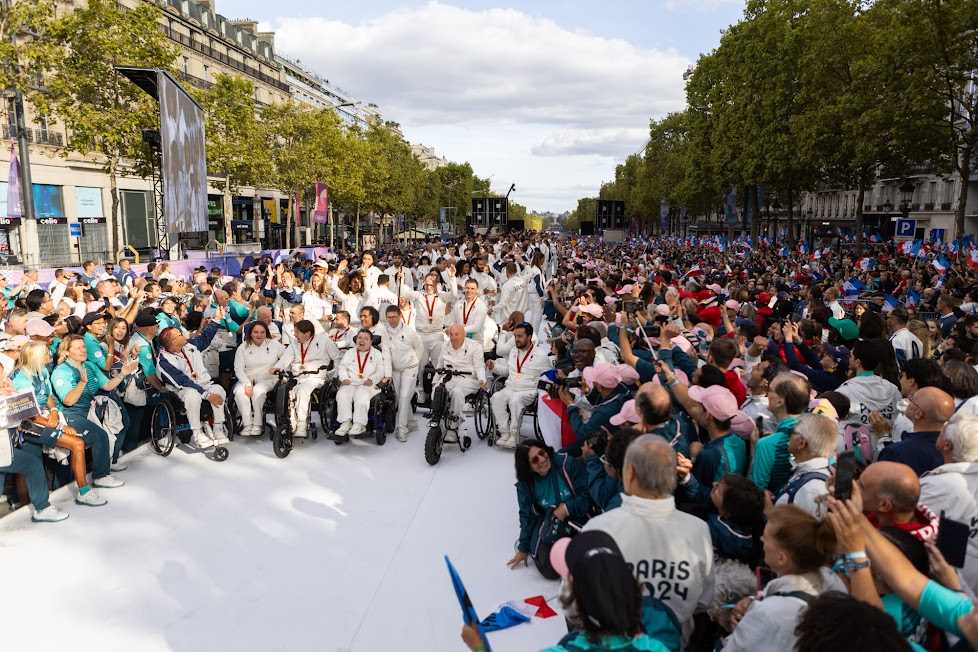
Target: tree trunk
[332,225]
[288,218]
[356,229]
[859,215]
[965,170]
[114,192]
[791,218]
[227,212]
[755,225]
[298,220]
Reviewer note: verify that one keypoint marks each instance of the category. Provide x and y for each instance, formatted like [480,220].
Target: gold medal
[431,320]
[360,376]
[518,376]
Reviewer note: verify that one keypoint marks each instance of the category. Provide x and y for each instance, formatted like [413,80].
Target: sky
[546,95]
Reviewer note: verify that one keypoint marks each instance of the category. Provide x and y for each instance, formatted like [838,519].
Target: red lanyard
[362,365]
[338,336]
[519,364]
[430,307]
[466,313]
[192,373]
[405,319]
[303,351]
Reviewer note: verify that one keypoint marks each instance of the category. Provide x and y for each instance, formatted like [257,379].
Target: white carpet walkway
[334,548]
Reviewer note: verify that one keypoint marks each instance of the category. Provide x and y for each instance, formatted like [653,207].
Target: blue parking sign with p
[906,228]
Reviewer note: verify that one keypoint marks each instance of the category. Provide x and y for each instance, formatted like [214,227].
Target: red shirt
[711,316]
[736,386]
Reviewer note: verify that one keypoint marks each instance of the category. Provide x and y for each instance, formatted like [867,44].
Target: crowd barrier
[230,264]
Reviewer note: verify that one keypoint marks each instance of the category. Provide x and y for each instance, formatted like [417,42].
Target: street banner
[15,198]
[321,214]
[298,205]
[730,207]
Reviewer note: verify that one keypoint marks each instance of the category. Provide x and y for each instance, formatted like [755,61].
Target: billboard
[184,158]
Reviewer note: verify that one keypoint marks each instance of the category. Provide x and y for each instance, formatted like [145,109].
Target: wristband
[673,383]
[479,648]
[861,554]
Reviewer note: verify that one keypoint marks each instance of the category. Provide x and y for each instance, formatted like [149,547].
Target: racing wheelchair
[441,419]
[168,423]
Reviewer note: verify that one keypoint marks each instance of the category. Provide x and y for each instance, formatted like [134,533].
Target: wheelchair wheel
[433,446]
[483,416]
[466,443]
[220,454]
[380,435]
[232,423]
[414,403]
[282,440]
[162,431]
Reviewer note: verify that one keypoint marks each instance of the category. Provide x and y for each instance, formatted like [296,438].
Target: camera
[569,383]
[580,320]
[633,306]
[653,330]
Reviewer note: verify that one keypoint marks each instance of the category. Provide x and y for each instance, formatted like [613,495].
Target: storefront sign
[50,221]
[92,220]
[75,230]
[9,221]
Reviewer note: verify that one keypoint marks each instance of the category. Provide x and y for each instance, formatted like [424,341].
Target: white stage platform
[333,548]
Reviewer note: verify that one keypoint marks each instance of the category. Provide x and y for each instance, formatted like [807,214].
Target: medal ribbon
[338,336]
[192,373]
[403,318]
[430,306]
[466,313]
[303,351]
[362,365]
[519,363]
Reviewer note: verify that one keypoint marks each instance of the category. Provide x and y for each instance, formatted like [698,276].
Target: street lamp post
[776,208]
[808,228]
[906,193]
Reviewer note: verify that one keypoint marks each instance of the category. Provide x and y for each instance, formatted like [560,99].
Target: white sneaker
[502,439]
[451,437]
[163,441]
[344,428]
[301,432]
[413,426]
[220,441]
[401,437]
[357,429]
[507,441]
[107,482]
[256,430]
[91,498]
[118,466]
[49,514]
[201,440]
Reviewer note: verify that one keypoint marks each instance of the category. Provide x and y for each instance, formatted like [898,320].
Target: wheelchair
[485,420]
[168,423]
[440,417]
[284,400]
[381,415]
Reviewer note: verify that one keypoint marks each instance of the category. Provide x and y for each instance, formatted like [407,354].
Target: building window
[186,66]
[950,191]
[207,73]
[933,193]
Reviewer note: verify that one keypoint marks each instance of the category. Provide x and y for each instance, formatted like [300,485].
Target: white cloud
[700,6]
[437,66]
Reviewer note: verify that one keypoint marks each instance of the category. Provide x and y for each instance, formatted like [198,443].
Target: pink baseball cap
[627,414]
[625,289]
[718,401]
[592,309]
[685,345]
[39,328]
[742,425]
[604,374]
[662,309]
[715,288]
[733,305]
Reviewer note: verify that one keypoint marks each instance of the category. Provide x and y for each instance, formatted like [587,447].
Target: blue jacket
[533,518]
[918,450]
[600,416]
[821,380]
[731,540]
[604,490]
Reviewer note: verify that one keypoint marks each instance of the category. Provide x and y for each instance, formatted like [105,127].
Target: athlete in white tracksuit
[429,309]
[525,364]
[307,352]
[461,354]
[471,311]
[513,296]
[534,278]
[252,362]
[402,349]
[361,369]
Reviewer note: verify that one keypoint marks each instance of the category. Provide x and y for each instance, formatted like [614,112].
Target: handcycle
[169,422]
[284,401]
[441,420]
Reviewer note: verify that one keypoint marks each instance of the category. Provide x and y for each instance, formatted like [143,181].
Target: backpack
[793,487]
[856,437]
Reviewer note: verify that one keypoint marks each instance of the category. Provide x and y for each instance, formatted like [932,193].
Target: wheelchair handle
[288,373]
[448,373]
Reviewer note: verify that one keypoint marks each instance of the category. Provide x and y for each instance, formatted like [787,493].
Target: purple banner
[321,214]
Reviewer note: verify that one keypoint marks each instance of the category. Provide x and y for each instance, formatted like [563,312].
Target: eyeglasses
[538,458]
[916,405]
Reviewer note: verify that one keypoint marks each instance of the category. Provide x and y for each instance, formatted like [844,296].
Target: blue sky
[547,95]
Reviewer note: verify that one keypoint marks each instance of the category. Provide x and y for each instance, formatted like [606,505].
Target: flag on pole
[853,286]
[890,304]
[941,264]
[973,259]
[913,299]
[785,252]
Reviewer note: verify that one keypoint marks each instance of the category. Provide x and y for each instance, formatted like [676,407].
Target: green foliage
[35,49]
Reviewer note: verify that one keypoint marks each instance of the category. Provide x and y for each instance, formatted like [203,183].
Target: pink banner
[298,205]
[321,214]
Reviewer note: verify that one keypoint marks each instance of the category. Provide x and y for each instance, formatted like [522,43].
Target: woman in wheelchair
[361,369]
[76,381]
[182,370]
[252,362]
[307,352]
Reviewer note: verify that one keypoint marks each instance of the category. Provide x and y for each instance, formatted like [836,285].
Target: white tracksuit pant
[192,401]
[431,343]
[534,314]
[302,391]
[353,403]
[251,409]
[404,383]
[507,407]
[458,388]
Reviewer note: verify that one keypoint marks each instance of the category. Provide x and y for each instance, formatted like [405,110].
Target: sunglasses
[538,458]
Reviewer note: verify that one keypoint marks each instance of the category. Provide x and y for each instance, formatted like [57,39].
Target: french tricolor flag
[941,264]
[973,259]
